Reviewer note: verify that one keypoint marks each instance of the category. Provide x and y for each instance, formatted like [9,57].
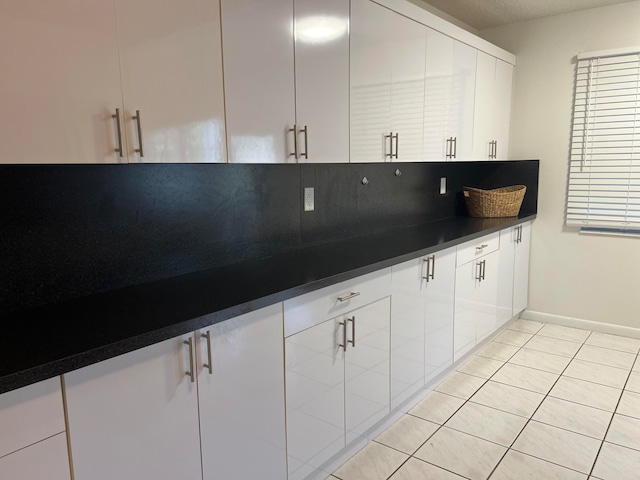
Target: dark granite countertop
[43,342]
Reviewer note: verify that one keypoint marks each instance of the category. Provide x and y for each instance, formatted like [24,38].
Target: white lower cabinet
[337,383]
[241,398]
[46,460]
[146,414]
[421,322]
[33,442]
[521,269]
[475,303]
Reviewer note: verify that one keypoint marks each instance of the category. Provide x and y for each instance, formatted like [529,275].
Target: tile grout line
[532,415]
[612,417]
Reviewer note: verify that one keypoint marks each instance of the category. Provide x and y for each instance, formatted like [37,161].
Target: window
[604,166]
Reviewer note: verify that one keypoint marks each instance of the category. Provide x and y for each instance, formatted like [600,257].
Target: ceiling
[481,14]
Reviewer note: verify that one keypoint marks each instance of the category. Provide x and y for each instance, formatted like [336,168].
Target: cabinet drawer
[315,307]
[477,248]
[46,460]
[30,414]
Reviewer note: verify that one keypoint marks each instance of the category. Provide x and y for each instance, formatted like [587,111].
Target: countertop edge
[94,355]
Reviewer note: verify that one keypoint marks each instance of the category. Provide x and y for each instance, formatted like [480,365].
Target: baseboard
[581,323]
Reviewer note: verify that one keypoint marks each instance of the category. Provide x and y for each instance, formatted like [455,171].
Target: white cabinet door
[46,460]
[136,416]
[322,80]
[508,239]
[30,414]
[486,297]
[502,97]
[407,329]
[241,399]
[171,60]
[315,396]
[60,82]
[370,89]
[367,367]
[521,271]
[475,302]
[257,39]
[462,104]
[407,40]
[484,113]
[449,98]
[438,96]
[439,312]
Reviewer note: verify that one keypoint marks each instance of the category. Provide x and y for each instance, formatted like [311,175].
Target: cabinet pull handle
[294,130]
[484,268]
[305,154]
[449,148]
[479,271]
[353,331]
[191,372]
[343,345]
[390,137]
[483,246]
[397,137]
[433,267]
[455,147]
[138,120]
[520,235]
[118,150]
[348,297]
[209,365]
[495,149]
[428,262]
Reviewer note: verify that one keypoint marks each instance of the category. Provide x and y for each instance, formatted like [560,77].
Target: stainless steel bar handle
[353,331]
[455,147]
[433,267]
[119,150]
[397,137]
[483,246]
[428,262]
[138,120]
[484,268]
[348,297]
[209,364]
[390,137]
[294,130]
[495,149]
[306,143]
[479,271]
[449,148]
[343,345]
[191,373]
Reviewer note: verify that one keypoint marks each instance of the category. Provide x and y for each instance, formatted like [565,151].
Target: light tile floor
[540,402]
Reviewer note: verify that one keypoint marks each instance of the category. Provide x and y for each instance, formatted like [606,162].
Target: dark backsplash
[72,230]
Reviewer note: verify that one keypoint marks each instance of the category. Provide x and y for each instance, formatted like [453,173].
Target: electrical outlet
[308,199]
[443,185]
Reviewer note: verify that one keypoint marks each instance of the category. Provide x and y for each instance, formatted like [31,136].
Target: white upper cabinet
[60,82]
[322,80]
[258,46]
[136,415]
[449,98]
[492,108]
[171,60]
[241,397]
[387,84]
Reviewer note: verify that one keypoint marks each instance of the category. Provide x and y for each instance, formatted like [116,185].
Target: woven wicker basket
[499,202]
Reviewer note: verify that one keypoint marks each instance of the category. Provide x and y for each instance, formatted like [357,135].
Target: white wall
[588,277]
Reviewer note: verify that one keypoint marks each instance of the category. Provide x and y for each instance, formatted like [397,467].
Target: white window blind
[604,166]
